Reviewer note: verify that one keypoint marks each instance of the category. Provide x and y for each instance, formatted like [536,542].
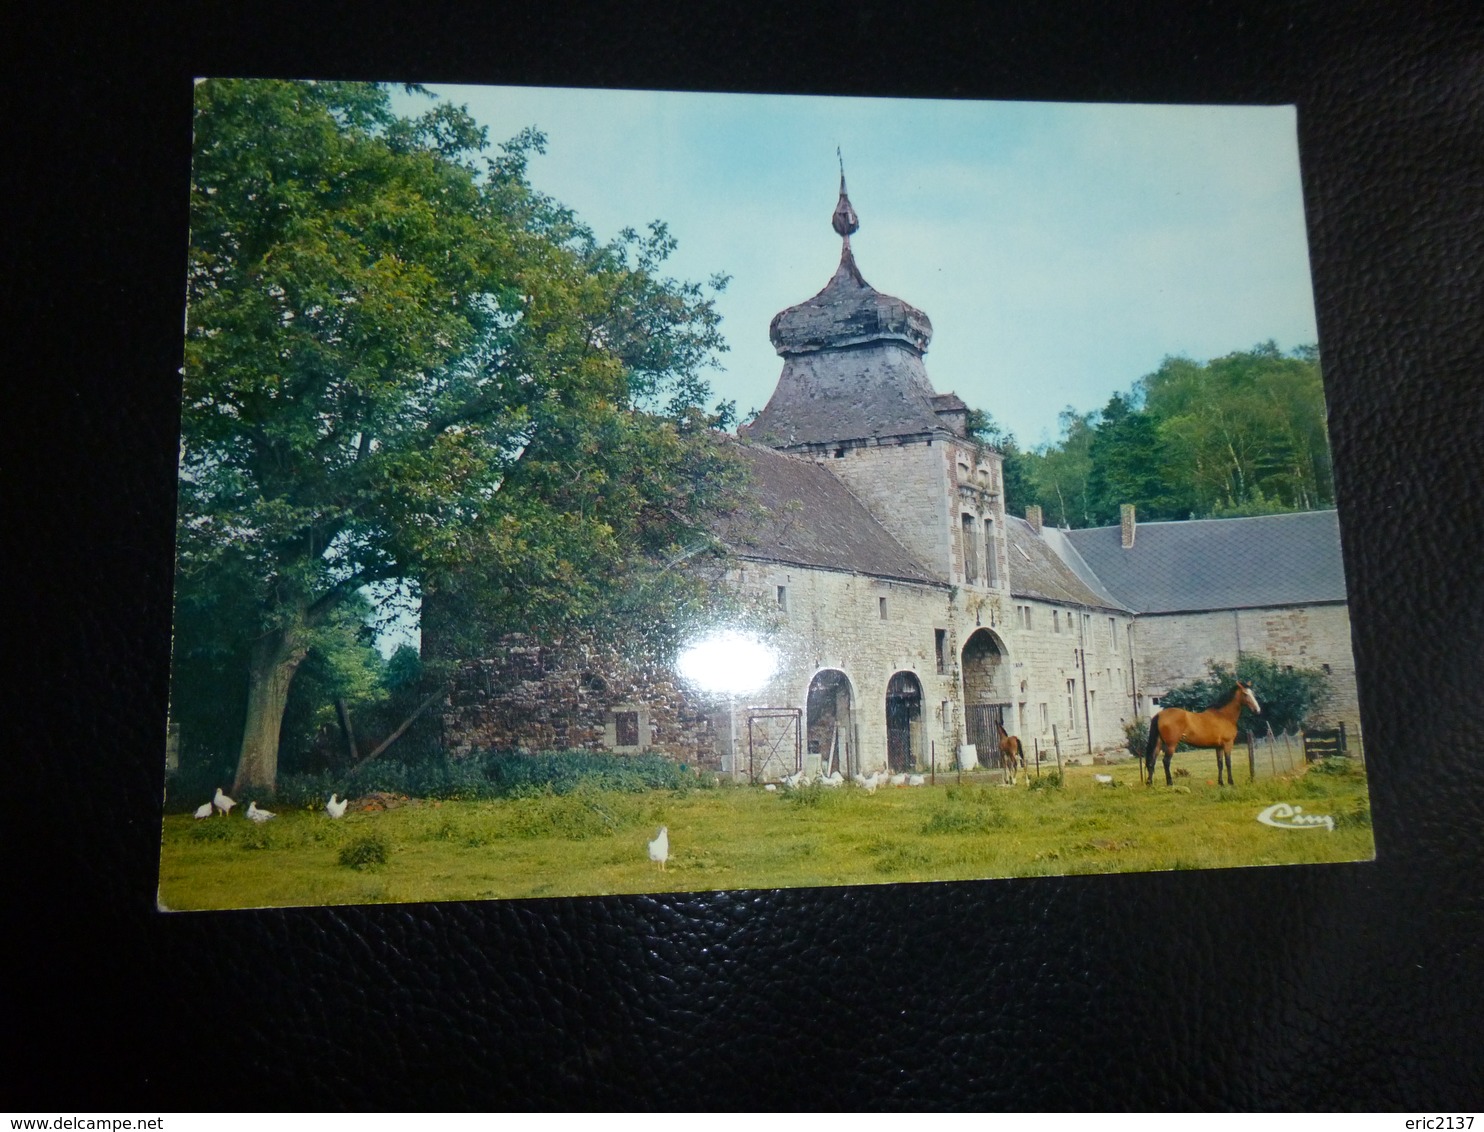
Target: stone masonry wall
[1173,649]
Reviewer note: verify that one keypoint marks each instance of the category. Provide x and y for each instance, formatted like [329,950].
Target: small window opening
[626,728]
[1328,671]
[881,607]
[839,453]
[971,555]
[783,598]
[940,643]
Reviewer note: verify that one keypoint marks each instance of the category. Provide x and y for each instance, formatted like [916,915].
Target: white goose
[257,815]
[222,802]
[659,848]
[204,810]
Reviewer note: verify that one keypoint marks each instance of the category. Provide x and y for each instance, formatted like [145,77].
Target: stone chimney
[1033,517]
[1126,524]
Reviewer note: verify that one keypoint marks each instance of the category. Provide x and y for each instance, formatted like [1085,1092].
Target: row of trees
[408,374]
[1240,435]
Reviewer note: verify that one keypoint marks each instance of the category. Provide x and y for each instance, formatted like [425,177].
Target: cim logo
[1281,815]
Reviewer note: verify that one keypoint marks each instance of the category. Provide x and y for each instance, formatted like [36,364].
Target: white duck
[336,809]
[257,815]
[204,810]
[222,802]
[659,848]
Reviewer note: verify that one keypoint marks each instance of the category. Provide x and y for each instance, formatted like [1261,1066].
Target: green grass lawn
[593,842]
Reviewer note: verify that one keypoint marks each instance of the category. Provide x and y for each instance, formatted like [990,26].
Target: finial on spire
[844,221]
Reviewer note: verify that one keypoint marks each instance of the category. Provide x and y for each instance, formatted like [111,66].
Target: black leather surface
[1326,987]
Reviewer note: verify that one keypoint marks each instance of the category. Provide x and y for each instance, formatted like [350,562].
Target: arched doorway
[831,722]
[986,693]
[903,723]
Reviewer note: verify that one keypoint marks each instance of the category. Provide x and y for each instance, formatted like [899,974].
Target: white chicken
[659,848]
[832,780]
[222,802]
[898,780]
[1103,779]
[257,815]
[204,810]
[915,780]
[336,809]
[795,780]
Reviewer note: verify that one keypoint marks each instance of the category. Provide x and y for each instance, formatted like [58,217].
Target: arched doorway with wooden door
[904,747]
[831,722]
[986,671]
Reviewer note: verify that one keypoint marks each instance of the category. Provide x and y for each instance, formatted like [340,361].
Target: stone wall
[1174,649]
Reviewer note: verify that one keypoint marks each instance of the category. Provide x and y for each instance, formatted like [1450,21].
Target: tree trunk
[275,658]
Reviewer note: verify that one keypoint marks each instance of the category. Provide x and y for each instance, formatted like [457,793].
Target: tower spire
[844,221]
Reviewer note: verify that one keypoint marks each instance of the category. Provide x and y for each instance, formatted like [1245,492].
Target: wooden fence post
[1036,746]
[1251,759]
[1056,742]
[934,757]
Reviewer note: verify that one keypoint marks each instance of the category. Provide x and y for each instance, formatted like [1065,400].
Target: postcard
[591,491]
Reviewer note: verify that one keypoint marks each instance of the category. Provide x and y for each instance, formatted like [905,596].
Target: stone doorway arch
[904,746]
[986,675]
[831,723]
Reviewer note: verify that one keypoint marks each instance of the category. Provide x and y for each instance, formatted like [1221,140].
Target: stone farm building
[911,612]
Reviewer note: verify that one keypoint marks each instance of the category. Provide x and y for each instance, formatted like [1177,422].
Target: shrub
[1136,737]
[1049,781]
[368,852]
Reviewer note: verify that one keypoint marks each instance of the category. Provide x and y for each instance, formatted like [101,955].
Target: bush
[1136,737]
[1048,781]
[369,852]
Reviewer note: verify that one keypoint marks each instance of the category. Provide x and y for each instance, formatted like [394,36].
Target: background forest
[1239,435]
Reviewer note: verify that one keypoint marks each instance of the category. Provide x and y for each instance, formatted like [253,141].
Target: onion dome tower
[852,363]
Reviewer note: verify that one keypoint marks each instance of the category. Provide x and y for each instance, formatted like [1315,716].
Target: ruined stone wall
[527,696]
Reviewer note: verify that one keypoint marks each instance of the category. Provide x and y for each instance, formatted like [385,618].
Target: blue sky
[1061,250]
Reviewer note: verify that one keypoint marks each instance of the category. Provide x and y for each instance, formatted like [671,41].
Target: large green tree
[398,364]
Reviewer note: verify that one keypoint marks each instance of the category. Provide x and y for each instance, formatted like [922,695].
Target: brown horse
[1012,755]
[1215,727]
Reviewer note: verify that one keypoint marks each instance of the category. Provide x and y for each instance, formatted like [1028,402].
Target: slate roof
[800,513]
[846,395]
[1036,571]
[1206,564]
[847,312]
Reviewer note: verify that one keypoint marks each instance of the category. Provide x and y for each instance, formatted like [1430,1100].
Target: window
[940,644]
[991,564]
[626,729]
[1056,621]
[971,556]
[783,598]
[1087,626]
[839,453]
[881,607]
[1022,716]
[1071,705]
[1112,634]
[1328,671]
[1092,704]
[1045,718]
[1023,616]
